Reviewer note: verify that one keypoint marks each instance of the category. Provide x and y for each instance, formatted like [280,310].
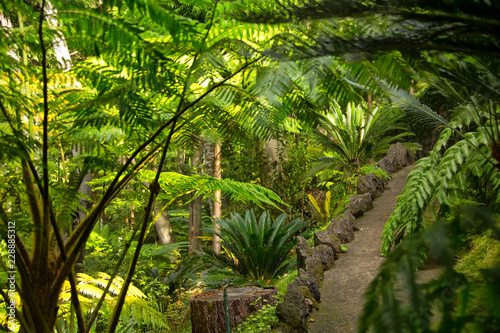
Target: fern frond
[445,178]
[415,108]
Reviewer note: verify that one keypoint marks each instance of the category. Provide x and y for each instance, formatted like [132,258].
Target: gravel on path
[344,286]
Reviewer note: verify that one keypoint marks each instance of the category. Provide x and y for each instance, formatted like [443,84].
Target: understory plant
[322,209]
[253,250]
[458,176]
[340,189]
[353,136]
[259,321]
[137,307]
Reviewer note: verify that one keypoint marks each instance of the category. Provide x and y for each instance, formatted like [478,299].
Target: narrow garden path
[342,292]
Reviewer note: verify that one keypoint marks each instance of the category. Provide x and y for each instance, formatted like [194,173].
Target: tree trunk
[59,43]
[195,207]
[86,190]
[272,161]
[370,104]
[207,309]
[86,204]
[162,224]
[217,211]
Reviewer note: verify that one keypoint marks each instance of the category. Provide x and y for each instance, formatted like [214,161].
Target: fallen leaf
[310,320]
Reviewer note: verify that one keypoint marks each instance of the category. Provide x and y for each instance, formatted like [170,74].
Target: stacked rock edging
[303,293]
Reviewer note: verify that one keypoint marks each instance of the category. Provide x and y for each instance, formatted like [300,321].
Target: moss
[483,252]
[307,294]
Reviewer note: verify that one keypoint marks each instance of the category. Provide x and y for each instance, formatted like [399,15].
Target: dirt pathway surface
[342,293]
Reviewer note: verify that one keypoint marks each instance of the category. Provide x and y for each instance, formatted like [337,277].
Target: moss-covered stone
[307,295]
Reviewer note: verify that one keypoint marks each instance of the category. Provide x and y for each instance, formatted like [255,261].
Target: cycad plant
[353,136]
[254,250]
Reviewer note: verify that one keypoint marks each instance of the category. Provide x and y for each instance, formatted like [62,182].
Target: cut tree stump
[207,309]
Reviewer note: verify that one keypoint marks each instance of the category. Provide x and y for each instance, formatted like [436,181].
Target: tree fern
[415,109]
[175,185]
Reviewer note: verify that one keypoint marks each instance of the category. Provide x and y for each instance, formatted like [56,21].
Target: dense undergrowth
[112,113]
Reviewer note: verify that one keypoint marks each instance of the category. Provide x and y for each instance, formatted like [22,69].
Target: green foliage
[455,301]
[324,213]
[340,190]
[172,303]
[259,321]
[137,306]
[481,252]
[175,185]
[353,136]
[413,26]
[254,250]
[297,153]
[282,283]
[104,247]
[352,181]
[456,177]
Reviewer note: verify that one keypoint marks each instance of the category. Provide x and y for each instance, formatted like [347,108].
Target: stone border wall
[303,294]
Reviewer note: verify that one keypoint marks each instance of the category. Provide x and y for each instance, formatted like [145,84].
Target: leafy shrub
[253,250]
[322,210]
[296,156]
[340,189]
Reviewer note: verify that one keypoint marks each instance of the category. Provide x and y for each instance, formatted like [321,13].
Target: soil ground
[344,286]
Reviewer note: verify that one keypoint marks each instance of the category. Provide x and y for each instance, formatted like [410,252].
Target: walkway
[342,293]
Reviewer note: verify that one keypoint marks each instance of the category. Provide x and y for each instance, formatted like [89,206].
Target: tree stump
[207,309]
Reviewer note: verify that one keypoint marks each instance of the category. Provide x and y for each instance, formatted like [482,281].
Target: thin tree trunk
[195,207]
[59,43]
[86,190]
[217,212]
[272,161]
[181,159]
[162,224]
